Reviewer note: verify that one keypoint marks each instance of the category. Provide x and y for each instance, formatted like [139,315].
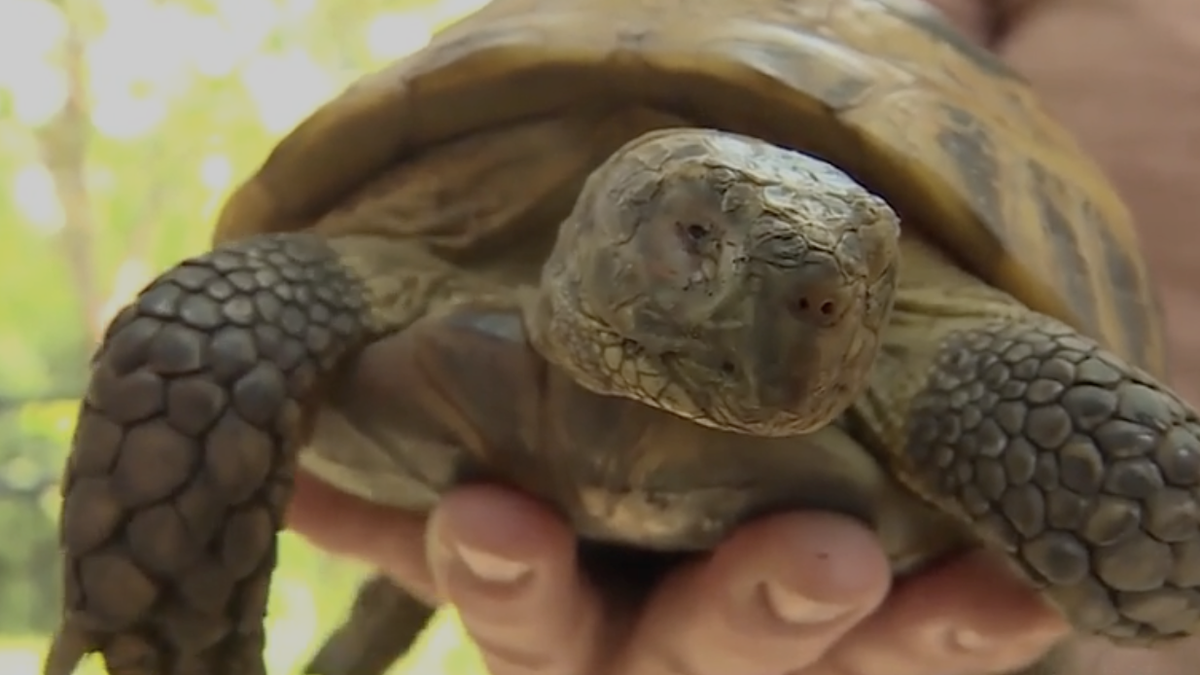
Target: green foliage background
[123,123]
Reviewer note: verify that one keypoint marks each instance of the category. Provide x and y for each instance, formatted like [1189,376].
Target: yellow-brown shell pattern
[952,138]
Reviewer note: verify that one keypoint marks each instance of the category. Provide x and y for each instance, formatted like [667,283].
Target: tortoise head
[721,278]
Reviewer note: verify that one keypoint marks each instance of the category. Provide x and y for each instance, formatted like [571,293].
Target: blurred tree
[123,124]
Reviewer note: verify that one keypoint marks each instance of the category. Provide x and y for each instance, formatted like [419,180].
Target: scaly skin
[201,395]
[183,456]
[1081,468]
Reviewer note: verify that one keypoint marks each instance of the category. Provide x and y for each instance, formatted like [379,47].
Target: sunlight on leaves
[253,19]
[102,180]
[33,193]
[199,45]
[216,172]
[286,87]
[397,34]
[131,91]
[21,369]
[295,10]
[38,89]
[29,29]
[126,116]
[295,611]
[127,55]
[21,473]
[51,419]
[448,11]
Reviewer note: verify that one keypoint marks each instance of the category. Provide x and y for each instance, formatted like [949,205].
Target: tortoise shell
[884,89]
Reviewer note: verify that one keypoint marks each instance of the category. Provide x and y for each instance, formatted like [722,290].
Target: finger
[386,538]
[967,616]
[769,601]
[509,567]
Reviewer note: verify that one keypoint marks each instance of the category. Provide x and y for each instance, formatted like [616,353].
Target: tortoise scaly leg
[182,462]
[1082,468]
[384,622]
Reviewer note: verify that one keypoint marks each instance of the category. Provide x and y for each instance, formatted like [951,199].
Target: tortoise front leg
[383,624]
[182,461]
[1082,468]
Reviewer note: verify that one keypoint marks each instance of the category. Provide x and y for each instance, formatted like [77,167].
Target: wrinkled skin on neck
[721,278]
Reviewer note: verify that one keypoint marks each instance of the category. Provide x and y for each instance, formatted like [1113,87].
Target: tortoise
[667,266]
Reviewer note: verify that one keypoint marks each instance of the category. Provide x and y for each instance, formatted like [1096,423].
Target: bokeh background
[123,123]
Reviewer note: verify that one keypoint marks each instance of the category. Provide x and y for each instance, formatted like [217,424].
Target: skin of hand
[810,593]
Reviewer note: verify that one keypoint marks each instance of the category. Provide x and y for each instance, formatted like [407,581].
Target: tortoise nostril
[817,310]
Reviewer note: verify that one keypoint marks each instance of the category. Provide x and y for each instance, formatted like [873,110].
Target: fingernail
[491,567]
[791,607]
[967,640]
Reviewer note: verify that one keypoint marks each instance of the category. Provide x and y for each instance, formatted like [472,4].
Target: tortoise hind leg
[1084,470]
[384,623]
[181,464]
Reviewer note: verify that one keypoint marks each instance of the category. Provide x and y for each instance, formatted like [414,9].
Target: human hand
[531,611]
[708,618]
